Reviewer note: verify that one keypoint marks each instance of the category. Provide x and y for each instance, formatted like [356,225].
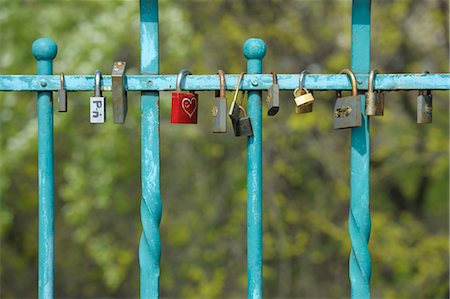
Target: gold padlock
[302,97]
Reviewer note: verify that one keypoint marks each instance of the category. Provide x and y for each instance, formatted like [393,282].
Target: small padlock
[347,110]
[245,125]
[219,109]
[302,97]
[374,99]
[62,95]
[184,105]
[97,102]
[273,96]
[424,107]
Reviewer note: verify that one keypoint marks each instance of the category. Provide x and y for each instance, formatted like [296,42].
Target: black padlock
[245,125]
[273,96]
[347,110]
[235,109]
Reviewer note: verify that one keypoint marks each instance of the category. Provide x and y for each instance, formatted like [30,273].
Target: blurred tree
[203,231]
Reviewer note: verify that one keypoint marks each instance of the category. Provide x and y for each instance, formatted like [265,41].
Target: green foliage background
[203,229]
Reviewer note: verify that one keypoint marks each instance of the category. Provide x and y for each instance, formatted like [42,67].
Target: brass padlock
[273,96]
[347,110]
[374,99]
[424,107]
[219,109]
[62,95]
[234,112]
[302,97]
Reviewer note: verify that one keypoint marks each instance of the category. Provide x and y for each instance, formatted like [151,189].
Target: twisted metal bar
[45,50]
[151,207]
[359,218]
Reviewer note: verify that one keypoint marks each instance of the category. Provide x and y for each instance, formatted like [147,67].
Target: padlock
[347,110]
[273,96]
[219,109]
[184,104]
[97,102]
[245,125]
[424,107]
[374,99]
[118,92]
[302,97]
[62,95]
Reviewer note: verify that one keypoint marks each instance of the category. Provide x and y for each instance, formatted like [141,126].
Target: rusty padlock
[302,97]
[184,104]
[347,110]
[374,99]
[219,109]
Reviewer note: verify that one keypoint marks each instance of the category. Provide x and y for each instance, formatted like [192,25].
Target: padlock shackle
[98,89]
[236,92]
[222,83]
[274,78]
[181,74]
[372,75]
[352,79]
[301,80]
[61,80]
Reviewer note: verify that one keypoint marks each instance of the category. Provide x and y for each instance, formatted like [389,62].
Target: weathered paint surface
[359,218]
[254,51]
[211,82]
[151,207]
[45,50]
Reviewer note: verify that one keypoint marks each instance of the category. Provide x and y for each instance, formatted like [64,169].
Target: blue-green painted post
[151,207]
[359,218]
[254,51]
[45,50]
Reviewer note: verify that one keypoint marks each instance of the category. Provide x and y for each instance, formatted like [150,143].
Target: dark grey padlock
[374,99]
[347,110]
[424,107]
[245,125]
[273,96]
[62,95]
[219,109]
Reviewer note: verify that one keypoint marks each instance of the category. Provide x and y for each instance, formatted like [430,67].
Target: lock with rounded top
[184,104]
[302,97]
[374,99]
[347,110]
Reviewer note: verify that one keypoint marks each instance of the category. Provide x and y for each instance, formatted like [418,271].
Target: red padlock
[184,105]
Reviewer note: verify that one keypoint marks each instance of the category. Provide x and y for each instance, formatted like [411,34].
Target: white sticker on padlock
[97,110]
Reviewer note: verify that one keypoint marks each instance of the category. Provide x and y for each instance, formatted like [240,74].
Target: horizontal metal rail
[387,82]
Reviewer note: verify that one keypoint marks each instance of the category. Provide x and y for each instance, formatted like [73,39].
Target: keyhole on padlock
[342,112]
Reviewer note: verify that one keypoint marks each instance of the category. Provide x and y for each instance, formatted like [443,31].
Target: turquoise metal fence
[150,83]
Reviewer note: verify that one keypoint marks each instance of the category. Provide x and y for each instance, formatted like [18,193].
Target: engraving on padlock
[273,96]
[219,109]
[97,102]
[245,125]
[374,99]
[62,95]
[184,104]
[235,108]
[302,97]
[347,110]
[424,107]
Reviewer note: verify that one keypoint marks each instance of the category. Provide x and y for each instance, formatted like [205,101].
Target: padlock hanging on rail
[242,125]
[302,97]
[347,110]
[97,102]
[119,94]
[219,109]
[374,99]
[62,94]
[425,106]
[184,104]
[273,96]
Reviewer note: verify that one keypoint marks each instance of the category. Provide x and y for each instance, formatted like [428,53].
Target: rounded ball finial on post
[44,49]
[254,48]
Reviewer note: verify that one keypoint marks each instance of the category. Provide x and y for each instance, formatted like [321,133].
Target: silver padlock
[374,99]
[219,109]
[424,107]
[62,95]
[97,102]
[347,110]
[273,96]
[302,97]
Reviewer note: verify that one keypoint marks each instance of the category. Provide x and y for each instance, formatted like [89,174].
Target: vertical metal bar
[254,51]
[359,218]
[151,207]
[44,51]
